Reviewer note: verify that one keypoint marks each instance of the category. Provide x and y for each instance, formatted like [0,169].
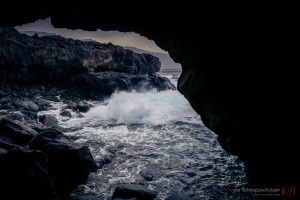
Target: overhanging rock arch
[228,76]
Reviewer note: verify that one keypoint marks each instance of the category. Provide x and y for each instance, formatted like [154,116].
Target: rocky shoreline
[34,59]
[37,160]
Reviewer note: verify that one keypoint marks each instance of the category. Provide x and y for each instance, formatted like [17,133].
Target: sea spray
[143,108]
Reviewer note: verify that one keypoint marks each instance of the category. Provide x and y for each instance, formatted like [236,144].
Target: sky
[118,38]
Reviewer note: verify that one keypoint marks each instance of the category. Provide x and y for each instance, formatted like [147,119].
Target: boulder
[132,191]
[24,175]
[17,116]
[48,120]
[69,163]
[25,104]
[83,107]
[66,114]
[17,131]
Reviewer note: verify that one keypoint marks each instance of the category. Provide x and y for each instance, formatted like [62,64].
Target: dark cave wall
[235,69]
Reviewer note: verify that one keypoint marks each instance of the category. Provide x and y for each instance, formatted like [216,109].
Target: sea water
[156,140]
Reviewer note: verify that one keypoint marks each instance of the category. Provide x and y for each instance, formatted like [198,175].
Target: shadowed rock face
[48,58]
[236,70]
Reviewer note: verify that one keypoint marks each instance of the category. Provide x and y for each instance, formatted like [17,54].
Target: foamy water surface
[154,139]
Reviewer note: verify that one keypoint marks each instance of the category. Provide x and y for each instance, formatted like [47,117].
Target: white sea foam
[143,108]
[153,133]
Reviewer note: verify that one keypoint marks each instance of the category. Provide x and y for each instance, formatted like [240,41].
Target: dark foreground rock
[48,120]
[24,175]
[40,165]
[69,163]
[132,191]
[15,132]
[176,195]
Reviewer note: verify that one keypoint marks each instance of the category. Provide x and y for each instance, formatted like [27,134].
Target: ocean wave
[144,108]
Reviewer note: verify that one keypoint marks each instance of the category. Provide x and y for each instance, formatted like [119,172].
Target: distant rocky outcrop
[167,63]
[37,59]
[98,86]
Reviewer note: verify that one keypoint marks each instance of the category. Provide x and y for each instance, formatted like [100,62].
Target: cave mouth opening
[151,139]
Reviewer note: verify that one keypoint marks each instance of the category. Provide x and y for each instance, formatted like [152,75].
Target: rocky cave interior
[222,55]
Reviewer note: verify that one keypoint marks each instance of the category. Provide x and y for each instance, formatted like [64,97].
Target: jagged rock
[152,172]
[69,163]
[25,104]
[71,105]
[52,58]
[102,85]
[29,115]
[15,117]
[79,115]
[131,191]
[43,104]
[18,131]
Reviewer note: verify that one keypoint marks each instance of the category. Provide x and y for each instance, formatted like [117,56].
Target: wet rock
[216,192]
[52,95]
[175,195]
[137,192]
[79,115]
[15,117]
[71,105]
[29,115]
[66,114]
[105,159]
[43,104]
[111,149]
[25,104]
[152,172]
[83,107]
[18,131]
[94,142]
[48,120]
[69,163]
